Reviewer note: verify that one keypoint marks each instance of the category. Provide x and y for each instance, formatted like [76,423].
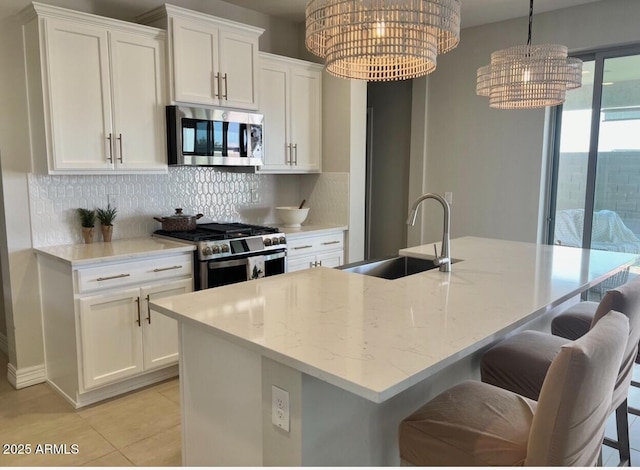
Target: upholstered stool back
[575,399]
[626,299]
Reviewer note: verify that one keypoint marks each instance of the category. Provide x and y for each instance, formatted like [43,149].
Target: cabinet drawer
[315,244]
[133,272]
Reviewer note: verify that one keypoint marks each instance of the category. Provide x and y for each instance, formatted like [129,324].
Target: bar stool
[475,423]
[520,362]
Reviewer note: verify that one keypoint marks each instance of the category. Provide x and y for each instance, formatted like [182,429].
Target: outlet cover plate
[280,408]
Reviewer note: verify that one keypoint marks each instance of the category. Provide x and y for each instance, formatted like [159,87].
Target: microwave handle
[244,139]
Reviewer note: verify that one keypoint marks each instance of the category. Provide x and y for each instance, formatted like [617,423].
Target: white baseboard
[26,376]
[119,388]
[4,345]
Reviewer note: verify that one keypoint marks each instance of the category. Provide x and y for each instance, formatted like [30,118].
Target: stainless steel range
[226,252]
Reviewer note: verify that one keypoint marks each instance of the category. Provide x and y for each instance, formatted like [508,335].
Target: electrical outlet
[112,200]
[448,196]
[280,408]
[254,195]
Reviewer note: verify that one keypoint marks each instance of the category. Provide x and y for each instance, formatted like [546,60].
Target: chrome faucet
[444,260]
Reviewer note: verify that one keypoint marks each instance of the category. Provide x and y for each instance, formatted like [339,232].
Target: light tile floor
[141,428]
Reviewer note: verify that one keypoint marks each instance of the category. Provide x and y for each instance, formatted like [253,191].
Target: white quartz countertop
[307,230]
[376,337]
[116,250]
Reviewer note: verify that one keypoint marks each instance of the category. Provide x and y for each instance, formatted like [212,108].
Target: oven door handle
[243,261]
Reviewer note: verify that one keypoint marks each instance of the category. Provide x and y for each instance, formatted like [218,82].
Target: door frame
[599,56]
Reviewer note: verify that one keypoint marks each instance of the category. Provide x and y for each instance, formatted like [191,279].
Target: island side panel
[221,394]
[281,448]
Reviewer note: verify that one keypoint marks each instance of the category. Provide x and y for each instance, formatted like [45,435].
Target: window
[596,167]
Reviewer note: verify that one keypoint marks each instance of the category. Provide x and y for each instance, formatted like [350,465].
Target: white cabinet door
[331,260]
[160,333]
[110,337]
[138,94]
[79,100]
[238,62]
[274,104]
[300,262]
[291,101]
[195,62]
[306,118]
[214,66]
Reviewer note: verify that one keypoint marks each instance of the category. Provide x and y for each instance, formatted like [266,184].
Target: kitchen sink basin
[391,268]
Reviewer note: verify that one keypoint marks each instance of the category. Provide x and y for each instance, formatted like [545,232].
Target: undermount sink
[391,268]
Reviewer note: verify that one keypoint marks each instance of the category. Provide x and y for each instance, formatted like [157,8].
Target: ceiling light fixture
[529,77]
[380,40]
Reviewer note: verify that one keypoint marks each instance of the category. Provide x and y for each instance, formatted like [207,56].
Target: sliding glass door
[596,177]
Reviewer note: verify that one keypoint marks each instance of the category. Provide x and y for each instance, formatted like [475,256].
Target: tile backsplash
[219,195]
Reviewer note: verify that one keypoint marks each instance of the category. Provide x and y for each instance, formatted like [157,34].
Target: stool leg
[622,424]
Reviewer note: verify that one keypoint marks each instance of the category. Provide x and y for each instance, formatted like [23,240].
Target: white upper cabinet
[96,93]
[291,101]
[212,61]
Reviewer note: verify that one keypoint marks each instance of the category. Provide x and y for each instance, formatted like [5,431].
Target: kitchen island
[355,353]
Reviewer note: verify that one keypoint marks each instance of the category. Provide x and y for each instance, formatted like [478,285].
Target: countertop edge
[166,249]
[311,230]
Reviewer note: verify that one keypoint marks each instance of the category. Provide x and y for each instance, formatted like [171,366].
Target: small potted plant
[88,222]
[106,218]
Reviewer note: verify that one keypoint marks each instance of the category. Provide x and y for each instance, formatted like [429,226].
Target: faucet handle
[436,260]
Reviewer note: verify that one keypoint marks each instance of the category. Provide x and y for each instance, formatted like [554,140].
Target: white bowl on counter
[292,216]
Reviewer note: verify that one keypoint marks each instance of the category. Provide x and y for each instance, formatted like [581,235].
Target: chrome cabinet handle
[331,243]
[120,141]
[304,247]
[158,270]
[217,79]
[148,299]
[295,148]
[138,320]
[320,263]
[288,161]
[110,148]
[225,86]
[108,278]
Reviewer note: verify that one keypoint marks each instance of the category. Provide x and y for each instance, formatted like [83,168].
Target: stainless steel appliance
[213,137]
[223,251]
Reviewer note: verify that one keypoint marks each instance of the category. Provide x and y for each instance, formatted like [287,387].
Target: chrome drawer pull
[331,243]
[138,319]
[148,299]
[110,158]
[302,247]
[112,277]
[120,140]
[157,270]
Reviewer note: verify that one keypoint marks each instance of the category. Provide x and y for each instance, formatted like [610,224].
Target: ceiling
[474,12]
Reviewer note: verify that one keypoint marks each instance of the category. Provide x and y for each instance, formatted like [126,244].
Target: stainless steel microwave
[213,137]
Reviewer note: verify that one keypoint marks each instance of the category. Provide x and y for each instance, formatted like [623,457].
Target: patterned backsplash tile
[219,195]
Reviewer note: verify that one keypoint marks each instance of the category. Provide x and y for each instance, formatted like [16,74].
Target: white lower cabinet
[121,336]
[101,336]
[315,250]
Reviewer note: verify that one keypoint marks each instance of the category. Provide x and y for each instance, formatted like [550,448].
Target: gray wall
[390,103]
[494,161]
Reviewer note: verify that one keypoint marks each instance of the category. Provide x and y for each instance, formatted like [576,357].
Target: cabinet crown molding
[168,10]
[36,10]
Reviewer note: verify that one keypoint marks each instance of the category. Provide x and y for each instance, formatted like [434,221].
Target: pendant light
[529,77]
[380,40]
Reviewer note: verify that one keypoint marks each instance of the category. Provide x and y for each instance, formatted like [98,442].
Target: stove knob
[206,251]
[275,241]
[224,248]
[216,249]
[267,242]
[283,240]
